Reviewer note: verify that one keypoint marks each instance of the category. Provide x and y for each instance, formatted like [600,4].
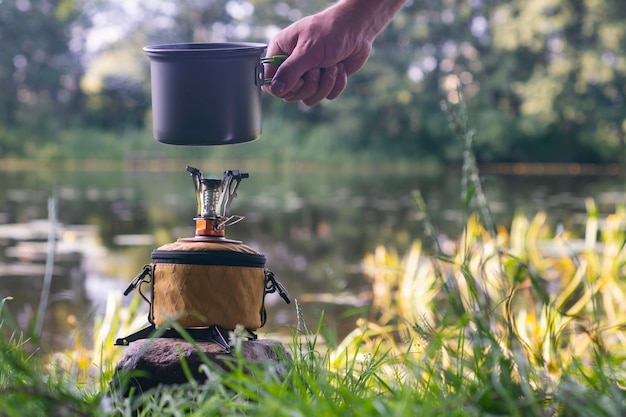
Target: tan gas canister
[201,284]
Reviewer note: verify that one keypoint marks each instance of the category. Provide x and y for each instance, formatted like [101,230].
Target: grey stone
[149,363]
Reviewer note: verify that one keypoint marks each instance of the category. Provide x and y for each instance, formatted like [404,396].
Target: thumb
[289,73]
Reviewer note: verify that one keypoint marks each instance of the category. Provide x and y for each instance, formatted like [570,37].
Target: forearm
[372,15]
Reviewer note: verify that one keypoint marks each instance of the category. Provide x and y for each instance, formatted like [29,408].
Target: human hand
[324,50]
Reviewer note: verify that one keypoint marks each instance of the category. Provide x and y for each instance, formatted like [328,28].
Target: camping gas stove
[206,285]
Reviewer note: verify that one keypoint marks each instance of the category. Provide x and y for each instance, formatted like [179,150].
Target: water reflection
[313,226]
[26,276]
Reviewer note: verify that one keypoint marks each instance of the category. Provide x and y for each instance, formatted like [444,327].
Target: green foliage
[120,103]
[39,68]
[30,387]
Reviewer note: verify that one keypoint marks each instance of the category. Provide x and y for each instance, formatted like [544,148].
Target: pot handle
[272,60]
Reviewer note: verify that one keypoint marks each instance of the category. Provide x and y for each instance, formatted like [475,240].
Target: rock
[149,363]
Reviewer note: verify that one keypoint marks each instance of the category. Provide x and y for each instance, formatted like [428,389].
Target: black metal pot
[206,93]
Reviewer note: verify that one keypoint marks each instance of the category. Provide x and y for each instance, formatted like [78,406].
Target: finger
[311,81]
[288,96]
[278,46]
[268,74]
[341,80]
[270,69]
[289,72]
[327,82]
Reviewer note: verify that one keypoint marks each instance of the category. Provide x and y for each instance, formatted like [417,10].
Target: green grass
[363,376]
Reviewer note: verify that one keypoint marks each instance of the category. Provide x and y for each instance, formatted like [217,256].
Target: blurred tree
[573,92]
[42,43]
[120,102]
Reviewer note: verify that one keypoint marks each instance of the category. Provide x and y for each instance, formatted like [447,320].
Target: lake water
[314,226]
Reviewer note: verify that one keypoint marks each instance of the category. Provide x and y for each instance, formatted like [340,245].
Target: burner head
[214,197]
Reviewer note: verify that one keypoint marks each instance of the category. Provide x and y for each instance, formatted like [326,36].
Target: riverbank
[156,162]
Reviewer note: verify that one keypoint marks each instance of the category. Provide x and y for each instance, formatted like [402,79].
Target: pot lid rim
[204,47]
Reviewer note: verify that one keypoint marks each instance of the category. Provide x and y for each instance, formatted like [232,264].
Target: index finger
[289,72]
